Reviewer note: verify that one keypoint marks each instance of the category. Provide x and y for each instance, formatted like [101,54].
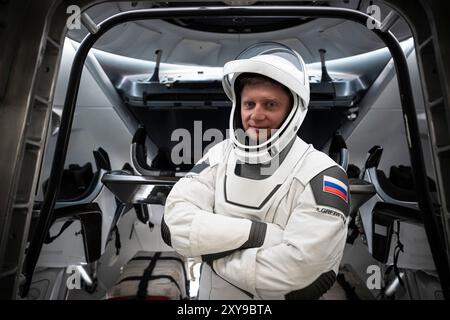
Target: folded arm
[311,247]
[192,228]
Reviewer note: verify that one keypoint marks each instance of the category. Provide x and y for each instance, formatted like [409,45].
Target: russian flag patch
[336,187]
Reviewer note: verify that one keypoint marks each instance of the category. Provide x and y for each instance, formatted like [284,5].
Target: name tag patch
[331,212]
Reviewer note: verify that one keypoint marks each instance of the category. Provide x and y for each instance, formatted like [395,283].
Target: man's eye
[271,104]
[248,104]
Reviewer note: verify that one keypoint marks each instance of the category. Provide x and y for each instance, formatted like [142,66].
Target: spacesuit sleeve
[192,228]
[308,257]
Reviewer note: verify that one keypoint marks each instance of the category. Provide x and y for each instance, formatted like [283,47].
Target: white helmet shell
[283,65]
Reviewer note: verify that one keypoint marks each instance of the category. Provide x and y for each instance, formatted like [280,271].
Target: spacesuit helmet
[282,64]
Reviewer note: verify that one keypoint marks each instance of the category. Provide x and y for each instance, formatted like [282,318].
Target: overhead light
[240,2]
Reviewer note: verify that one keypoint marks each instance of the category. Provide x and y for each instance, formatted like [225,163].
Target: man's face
[263,108]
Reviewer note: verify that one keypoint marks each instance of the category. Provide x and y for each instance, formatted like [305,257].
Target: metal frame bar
[406,98]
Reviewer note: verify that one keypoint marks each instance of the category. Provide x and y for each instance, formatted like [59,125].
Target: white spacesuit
[265,236]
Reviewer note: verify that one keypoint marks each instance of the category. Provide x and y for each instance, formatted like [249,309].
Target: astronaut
[266,211]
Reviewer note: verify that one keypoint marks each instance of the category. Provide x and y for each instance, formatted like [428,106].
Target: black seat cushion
[402,177]
[76,181]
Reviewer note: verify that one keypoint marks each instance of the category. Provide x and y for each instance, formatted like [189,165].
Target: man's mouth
[261,132]
[257,128]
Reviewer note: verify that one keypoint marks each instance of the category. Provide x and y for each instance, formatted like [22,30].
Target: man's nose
[258,113]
